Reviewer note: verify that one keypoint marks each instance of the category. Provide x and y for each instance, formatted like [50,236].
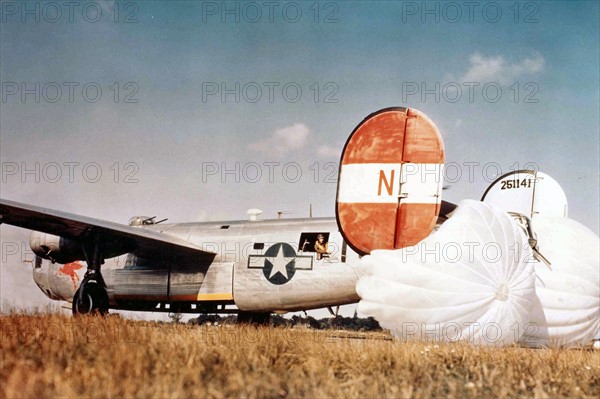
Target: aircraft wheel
[254,318]
[93,301]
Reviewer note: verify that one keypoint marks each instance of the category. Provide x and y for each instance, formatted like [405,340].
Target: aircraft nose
[57,281]
[40,276]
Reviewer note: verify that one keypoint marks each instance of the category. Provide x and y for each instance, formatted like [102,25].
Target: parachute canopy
[471,280]
[568,310]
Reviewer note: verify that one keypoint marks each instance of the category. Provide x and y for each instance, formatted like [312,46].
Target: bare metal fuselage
[253,270]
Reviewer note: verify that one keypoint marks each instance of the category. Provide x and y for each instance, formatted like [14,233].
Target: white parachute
[471,280]
[568,310]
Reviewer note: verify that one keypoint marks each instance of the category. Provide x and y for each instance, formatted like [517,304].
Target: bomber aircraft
[388,197]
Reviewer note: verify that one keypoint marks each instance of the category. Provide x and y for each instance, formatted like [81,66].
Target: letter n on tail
[389,184]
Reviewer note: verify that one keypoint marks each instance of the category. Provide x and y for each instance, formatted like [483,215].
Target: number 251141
[508,184]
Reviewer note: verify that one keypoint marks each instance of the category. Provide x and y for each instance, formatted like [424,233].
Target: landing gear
[90,298]
[253,318]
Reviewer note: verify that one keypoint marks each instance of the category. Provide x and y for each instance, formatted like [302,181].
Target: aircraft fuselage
[259,266]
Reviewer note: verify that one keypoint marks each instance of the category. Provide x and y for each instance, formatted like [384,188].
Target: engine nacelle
[55,248]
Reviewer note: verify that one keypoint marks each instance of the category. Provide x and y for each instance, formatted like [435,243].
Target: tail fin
[390,180]
[527,192]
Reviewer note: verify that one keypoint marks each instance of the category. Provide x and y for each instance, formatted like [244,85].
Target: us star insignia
[280,263]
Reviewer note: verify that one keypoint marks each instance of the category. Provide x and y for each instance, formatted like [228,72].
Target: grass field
[60,356]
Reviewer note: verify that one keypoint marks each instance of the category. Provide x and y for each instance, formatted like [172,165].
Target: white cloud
[283,141]
[329,151]
[496,69]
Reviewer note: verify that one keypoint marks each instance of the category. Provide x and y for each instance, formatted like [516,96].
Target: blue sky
[543,56]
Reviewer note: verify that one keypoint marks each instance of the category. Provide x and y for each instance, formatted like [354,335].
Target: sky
[201,110]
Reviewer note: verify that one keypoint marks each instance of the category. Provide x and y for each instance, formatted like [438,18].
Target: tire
[93,301]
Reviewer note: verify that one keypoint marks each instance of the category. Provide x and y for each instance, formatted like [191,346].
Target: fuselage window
[315,242]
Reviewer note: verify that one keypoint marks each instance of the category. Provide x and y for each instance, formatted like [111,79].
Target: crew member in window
[321,247]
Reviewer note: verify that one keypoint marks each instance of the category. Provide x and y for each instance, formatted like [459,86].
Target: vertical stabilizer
[390,180]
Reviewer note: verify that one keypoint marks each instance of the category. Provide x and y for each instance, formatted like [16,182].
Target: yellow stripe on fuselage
[180,298]
[202,297]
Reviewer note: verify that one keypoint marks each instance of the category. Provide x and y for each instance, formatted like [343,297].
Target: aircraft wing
[117,238]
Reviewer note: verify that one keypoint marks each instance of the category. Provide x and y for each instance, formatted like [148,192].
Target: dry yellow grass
[59,356]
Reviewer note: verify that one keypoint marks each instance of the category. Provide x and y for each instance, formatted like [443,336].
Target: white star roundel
[280,263]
